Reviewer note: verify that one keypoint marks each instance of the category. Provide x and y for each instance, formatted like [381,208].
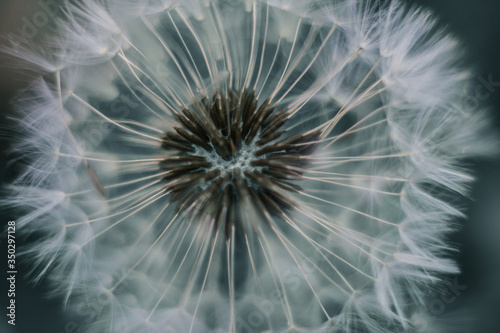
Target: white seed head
[245,166]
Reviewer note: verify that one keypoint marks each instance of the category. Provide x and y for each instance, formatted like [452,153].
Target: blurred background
[475,293]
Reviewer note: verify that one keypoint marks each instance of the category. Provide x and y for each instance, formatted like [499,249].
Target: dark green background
[477,24]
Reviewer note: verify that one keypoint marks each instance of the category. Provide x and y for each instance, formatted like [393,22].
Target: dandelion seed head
[244,166]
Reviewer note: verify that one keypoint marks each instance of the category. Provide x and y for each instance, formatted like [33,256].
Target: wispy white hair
[365,240]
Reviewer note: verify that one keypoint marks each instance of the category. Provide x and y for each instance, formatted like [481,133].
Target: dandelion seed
[244,166]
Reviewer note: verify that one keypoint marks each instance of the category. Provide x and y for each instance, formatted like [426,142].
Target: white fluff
[367,240]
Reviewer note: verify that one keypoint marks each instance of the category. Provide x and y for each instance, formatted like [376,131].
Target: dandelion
[244,166]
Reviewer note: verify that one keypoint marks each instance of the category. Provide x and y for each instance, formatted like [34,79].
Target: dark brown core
[226,155]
